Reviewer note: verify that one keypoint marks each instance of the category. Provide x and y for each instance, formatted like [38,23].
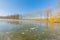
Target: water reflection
[29,31]
[14,22]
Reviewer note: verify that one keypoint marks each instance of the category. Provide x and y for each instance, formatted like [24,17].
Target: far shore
[33,20]
[30,20]
[11,19]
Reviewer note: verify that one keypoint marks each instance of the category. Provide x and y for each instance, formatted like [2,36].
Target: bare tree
[58,3]
[47,13]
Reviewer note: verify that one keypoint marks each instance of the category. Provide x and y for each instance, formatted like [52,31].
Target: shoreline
[32,20]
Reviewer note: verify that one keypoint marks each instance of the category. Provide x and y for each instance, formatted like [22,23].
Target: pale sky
[10,7]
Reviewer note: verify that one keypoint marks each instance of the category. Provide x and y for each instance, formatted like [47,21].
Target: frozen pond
[25,30]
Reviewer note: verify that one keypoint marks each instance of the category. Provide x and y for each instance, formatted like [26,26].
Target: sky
[11,7]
